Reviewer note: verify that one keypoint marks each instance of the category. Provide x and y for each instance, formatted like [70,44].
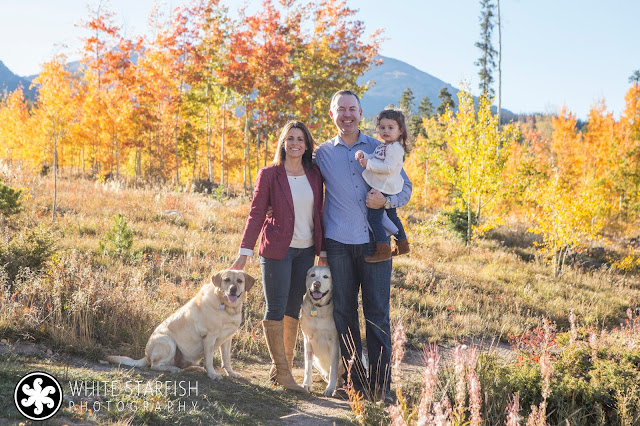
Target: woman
[290,239]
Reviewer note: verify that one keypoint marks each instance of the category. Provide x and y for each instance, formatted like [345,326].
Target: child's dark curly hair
[397,116]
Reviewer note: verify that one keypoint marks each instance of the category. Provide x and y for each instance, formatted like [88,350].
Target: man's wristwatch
[387,204]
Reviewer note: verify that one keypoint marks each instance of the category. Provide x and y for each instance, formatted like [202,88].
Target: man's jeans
[350,273]
[284,282]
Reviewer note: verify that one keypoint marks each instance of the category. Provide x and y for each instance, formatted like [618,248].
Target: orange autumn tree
[240,75]
[162,70]
[274,88]
[428,192]
[204,101]
[101,40]
[119,102]
[180,42]
[242,81]
[328,59]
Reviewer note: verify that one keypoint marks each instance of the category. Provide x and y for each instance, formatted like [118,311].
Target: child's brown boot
[402,247]
[383,252]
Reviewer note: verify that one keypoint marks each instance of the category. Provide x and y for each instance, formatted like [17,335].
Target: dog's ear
[249,281]
[217,279]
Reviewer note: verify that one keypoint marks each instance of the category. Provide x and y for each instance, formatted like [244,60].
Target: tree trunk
[175,141]
[150,150]
[55,176]
[177,123]
[426,183]
[257,155]
[117,159]
[138,164]
[468,242]
[224,125]
[250,178]
[247,163]
[266,149]
[208,130]
[499,67]
[468,224]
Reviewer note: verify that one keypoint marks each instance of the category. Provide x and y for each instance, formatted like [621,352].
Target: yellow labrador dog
[205,323]
[321,344]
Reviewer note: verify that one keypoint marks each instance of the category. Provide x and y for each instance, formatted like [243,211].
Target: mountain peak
[10,82]
[392,78]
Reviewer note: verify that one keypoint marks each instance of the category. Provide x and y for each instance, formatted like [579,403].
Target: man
[348,241]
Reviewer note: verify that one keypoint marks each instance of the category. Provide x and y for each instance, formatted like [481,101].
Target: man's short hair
[341,93]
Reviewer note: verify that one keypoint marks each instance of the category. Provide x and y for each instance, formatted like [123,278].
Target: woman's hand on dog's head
[238,264]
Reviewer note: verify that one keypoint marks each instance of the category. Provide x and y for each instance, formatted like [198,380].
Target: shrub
[119,239]
[31,248]
[9,200]
[592,378]
[219,194]
[457,222]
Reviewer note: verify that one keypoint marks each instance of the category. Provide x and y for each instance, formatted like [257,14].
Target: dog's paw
[307,386]
[234,374]
[329,391]
[214,376]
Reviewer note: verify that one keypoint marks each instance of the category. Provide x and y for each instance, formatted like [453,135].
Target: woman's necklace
[295,173]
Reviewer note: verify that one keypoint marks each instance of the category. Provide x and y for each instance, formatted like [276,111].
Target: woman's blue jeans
[284,282]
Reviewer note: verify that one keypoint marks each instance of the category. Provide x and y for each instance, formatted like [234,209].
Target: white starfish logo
[38,396]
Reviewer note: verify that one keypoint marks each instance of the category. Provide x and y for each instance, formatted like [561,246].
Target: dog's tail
[125,360]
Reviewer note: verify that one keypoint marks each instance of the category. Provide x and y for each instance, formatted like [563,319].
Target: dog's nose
[316,285]
[233,289]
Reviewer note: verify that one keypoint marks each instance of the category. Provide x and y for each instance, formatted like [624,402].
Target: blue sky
[555,52]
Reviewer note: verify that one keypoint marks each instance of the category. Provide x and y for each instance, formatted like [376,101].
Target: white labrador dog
[205,323]
[321,344]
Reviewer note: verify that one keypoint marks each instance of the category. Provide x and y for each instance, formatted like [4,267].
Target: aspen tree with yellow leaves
[473,159]
[54,112]
[565,218]
[628,154]
[568,198]
[16,129]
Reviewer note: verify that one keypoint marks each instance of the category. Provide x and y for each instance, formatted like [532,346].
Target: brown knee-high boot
[290,339]
[274,334]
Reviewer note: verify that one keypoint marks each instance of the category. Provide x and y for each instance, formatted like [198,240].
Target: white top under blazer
[302,195]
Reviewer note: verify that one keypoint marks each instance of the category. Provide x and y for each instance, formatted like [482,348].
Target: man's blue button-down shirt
[345,211]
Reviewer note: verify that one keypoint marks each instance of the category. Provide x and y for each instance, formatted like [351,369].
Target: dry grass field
[94,286]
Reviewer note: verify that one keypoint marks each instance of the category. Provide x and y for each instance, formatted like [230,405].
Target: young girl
[382,172]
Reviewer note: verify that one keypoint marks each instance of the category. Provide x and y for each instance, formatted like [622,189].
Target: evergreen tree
[415,127]
[407,102]
[635,77]
[446,101]
[425,108]
[9,200]
[486,62]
